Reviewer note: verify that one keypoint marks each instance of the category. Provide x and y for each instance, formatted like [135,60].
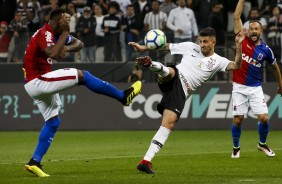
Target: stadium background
[209,108]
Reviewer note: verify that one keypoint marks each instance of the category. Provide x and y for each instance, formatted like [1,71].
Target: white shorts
[244,97]
[44,90]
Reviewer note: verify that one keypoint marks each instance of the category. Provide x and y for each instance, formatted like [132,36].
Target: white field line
[7,162]
[246,180]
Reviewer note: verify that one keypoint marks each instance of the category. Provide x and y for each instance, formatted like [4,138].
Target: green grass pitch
[111,157]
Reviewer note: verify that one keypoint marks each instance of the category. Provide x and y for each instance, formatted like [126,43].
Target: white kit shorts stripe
[45,90]
[244,97]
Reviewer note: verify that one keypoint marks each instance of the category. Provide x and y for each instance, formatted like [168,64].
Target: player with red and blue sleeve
[253,57]
[247,91]
[48,44]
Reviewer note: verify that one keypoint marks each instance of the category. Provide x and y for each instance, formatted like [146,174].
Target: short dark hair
[114,4]
[209,31]
[254,9]
[56,12]
[156,1]
[130,6]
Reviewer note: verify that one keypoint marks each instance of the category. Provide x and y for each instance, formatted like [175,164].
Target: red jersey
[253,57]
[36,61]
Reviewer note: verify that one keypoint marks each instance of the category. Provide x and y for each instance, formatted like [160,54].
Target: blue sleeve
[68,40]
[270,56]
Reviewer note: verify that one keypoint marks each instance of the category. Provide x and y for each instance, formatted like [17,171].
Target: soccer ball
[155,39]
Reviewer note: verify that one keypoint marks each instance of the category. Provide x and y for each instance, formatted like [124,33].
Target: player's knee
[171,75]
[263,118]
[81,74]
[169,125]
[171,71]
[237,120]
[54,122]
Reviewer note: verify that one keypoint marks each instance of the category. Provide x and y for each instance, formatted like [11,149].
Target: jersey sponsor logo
[211,63]
[251,60]
[185,82]
[48,36]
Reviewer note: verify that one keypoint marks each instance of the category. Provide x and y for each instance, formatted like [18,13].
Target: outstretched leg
[164,73]
[102,87]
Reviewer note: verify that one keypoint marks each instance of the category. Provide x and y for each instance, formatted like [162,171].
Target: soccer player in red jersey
[247,91]
[43,85]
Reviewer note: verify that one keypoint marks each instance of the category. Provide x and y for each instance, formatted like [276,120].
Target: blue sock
[236,133]
[102,87]
[45,138]
[263,130]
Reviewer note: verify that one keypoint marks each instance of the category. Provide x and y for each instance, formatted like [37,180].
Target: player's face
[255,31]
[57,28]
[207,44]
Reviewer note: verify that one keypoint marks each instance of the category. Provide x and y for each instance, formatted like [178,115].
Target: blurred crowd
[106,26]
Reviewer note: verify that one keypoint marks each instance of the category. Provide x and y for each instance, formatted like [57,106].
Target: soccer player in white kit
[177,83]
[247,91]
[44,85]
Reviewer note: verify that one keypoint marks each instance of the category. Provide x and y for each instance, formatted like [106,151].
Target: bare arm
[75,46]
[142,48]
[54,51]
[277,75]
[234,65]
[238,25]
[165,47]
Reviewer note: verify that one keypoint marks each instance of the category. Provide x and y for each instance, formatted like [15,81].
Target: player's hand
[145,61]
[279,91]
[64,22]
[137,46]
[241,36]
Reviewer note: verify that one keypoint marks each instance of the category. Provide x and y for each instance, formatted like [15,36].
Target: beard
[255,37]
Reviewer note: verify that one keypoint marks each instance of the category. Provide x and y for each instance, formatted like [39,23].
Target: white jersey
[195,68]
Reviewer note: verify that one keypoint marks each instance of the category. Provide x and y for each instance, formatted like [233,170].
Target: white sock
[157,143]
[159,68]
